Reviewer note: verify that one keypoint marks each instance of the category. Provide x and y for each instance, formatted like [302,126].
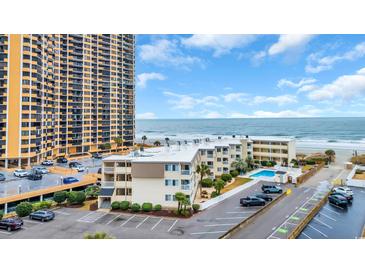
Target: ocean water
[311,132]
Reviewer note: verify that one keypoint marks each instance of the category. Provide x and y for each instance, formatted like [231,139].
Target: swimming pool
[264,173]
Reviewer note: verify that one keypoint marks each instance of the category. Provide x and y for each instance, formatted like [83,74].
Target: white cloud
[219,43]
[279,100]
[166,52]
[146,115]
[307,88]
[183,101]
[209,114]
[258,57]
[316,63]
[289,43]
[345,87]
[235,96]
[287,83]
[143,78]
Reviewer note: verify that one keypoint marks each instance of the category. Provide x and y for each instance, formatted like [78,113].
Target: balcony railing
[109,169]
[107,184]
[185,172]
[185,187]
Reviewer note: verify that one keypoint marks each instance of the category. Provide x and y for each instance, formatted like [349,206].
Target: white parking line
[208,232]
[142,222]
[306,235]
[99,217]
[108,223]
[61,212]
[320,232]
[221,224]
[325,215]
[229,218]
[172,226]
[273,237]
[152,228]
[238,212]
[83,217]
[289,223]
[127,220]
[33,222]
[323,223]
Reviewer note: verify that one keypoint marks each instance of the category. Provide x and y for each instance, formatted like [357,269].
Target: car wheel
[262,204]
[9,228]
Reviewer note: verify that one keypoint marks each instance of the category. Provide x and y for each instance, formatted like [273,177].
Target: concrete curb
[247,221]
[295,233]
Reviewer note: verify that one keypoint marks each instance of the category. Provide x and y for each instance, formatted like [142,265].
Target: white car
[343,189]
[21,173]
[79,168]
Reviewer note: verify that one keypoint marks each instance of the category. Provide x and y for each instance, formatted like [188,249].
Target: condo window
[171,182]
[171,167]
[169,197]
[124,191]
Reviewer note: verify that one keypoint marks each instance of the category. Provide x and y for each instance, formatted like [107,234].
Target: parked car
[42,215]
[47,163]
[337,200]
[79,168]
[349,198]
[35,176]
[271,189]
[264,196]
[343,189]
[62,160]
[70,180]
[74,164]
[40,170]
[11,224]
[2,177]
[252,201]
[21,173]
[97,155]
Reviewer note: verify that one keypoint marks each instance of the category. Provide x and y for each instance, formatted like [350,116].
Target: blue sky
[258,76]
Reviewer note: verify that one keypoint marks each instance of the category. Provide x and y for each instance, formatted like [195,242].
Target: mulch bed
[161,213]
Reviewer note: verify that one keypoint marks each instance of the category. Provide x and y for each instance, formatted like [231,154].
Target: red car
[11,224]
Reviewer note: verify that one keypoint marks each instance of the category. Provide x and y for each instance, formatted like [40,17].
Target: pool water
[265,173]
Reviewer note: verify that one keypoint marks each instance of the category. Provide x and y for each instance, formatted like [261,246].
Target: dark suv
[62,160]
[337,200]
[252,201]
[35,176]
[74,164]
[264,196]
[11,224]
[271,189]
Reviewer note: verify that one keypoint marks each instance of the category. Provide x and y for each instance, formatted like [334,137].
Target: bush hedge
[115,205]
[226,177]
[147,207]
[1,214]
[157,207]
[234,173]
[60,197]
[207,182]
[42,205]
[135,207]
[196,207]
[23,209]
[76,197]
[310,162]
[213,194]
[124,205]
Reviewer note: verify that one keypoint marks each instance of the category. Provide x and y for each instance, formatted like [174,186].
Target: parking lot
[74,223]
[333,222]
[13,185]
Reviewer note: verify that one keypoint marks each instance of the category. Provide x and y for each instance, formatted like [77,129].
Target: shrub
[23,209]
[92,191]
[147,207]
[41,205]
[207,182]
[76,197]
[269,164]
[310,162]
[234,173]
[264,163]
[135,207]
[60,197]
[115,205]
[157,207]
[124,205]
[226,177]
[196,207]
[213,194]
[1,214]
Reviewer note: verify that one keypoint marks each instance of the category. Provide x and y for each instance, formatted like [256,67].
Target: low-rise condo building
[156,174]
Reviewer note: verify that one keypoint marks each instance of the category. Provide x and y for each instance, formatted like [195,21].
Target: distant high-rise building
[65,94]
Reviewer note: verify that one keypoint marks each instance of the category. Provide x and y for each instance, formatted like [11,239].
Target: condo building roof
[185,153]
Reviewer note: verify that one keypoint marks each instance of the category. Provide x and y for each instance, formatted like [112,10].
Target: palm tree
[239,165]
[331,154]
[202,170]
[119,141]
[157,143]
[249,161]
[180,198]
[219,185]
[144,138]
